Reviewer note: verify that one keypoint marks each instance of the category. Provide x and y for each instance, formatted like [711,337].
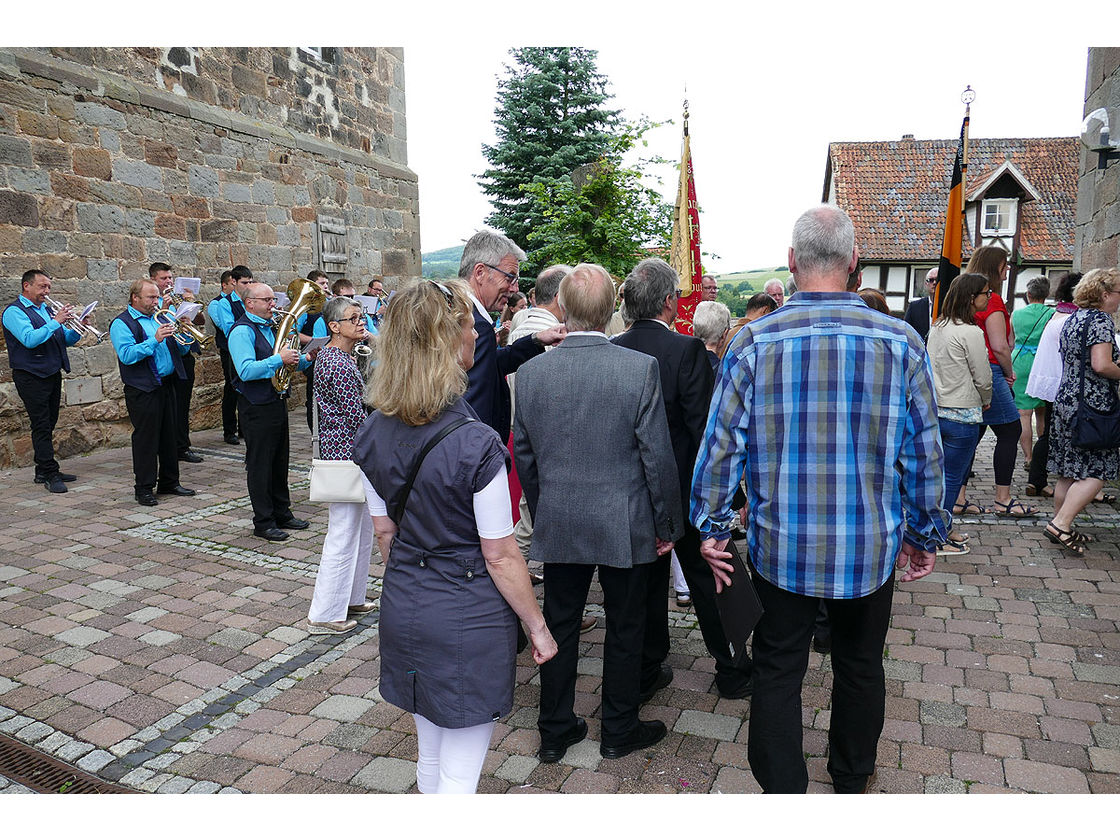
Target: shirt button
[470,574]
[422,564]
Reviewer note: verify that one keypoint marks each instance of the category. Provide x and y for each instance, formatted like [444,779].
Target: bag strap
[1030,332]
[314,425]
[397,513]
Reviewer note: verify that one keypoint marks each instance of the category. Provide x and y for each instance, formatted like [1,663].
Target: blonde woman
[455,582]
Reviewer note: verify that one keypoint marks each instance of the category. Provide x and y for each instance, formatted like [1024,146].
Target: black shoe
[146,498]
[645,734]
[271,534]
[42,479]
[294,524]
[536,579]
[233,440]
[176,490]
[822,644]
[664,677]
[190,456]
[738,534]
[54,483]
[737,692]
[550,752]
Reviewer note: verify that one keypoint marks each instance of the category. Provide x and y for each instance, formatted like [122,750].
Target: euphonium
[306,297]
[184,333]
[75,323]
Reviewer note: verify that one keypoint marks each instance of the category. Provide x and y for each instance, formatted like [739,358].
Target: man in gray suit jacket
[596,465]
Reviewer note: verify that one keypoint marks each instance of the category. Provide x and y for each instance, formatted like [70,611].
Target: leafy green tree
[605,212]
[549,120]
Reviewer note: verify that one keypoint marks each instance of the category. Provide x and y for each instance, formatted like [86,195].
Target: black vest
[142,374]
[256,391]
[46,359]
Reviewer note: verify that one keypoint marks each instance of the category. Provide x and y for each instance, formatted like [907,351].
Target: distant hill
[442,263]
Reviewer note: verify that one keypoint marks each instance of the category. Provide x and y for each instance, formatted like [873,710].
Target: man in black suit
[919,310]
[652,290]
[489,268]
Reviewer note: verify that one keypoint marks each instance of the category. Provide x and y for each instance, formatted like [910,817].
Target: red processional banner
[685,248]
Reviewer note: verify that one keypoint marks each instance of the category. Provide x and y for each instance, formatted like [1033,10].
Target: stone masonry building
[282,159]
[1098,193]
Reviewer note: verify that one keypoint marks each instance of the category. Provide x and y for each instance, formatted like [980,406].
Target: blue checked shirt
[827,407]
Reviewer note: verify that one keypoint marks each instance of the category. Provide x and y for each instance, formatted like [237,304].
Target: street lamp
[1095,137]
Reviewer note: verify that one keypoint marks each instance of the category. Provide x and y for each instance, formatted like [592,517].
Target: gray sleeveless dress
[448,638]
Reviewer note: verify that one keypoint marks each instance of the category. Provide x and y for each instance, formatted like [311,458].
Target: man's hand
[64,314]
[187,295]
[289,357]
[165,331]
[664,546]
[712,551]
[311,356]
[919,562]
[544,646]
[553,335]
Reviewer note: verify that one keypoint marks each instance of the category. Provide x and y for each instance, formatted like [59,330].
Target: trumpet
[74,322]
[184,333]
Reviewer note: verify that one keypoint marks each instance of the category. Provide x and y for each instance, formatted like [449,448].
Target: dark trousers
[781,654]
[1038,476]
[702,588]
[565,595]
[153,435]
[655,641]
[266,460]
[229,395]
[41,397]
[183,390]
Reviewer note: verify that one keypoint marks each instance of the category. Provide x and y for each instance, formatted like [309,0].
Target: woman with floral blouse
[340,585]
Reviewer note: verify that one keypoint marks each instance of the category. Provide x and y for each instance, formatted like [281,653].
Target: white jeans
[344,567]
[450,760]
[679,583]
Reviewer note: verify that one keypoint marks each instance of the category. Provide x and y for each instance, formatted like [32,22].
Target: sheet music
[187,284]
[86,312]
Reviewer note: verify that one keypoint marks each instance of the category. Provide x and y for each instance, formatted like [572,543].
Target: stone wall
[111,159]
[1098,192]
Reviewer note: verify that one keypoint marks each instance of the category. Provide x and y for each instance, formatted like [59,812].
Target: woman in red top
[1001,416]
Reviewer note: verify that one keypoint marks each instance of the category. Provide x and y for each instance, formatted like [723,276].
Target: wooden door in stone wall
[331,243]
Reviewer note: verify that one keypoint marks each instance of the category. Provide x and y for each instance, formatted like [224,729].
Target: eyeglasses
[447,292]
[356,320]
[265,299]
[513,278]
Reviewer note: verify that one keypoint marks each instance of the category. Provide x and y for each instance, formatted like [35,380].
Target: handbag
[332,481]
[1094,429]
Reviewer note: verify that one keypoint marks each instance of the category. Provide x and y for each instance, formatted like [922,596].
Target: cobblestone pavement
[163,648]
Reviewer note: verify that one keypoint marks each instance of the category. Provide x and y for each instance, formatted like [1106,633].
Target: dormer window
[998,216]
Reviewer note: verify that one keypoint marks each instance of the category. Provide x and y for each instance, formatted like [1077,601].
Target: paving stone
[389,775]
[722,727]
[1037,777]
[943,714]
[516,769]
[342,708]
[82,636]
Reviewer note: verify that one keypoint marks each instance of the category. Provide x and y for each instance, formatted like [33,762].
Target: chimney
[906,137]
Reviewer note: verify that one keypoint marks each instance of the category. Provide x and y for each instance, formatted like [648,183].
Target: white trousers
[450,760]
[679,583]
[344,567]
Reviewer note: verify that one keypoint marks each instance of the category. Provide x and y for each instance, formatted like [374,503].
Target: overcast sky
[768,89]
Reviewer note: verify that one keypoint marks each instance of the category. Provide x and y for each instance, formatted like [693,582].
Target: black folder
[739,607]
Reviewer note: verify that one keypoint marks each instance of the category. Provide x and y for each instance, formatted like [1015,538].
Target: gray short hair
[587,296]
[1038,288]
[710,321]
[647,286]
[548,283]
[488,247]
[823,240]
[335,309]
[771,282]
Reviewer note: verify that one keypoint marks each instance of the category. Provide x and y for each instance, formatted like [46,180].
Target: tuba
[306,297]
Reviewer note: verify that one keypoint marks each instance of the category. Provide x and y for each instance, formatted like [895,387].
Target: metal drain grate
[46,774]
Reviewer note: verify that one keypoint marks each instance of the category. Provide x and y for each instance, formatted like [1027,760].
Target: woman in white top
[962,378]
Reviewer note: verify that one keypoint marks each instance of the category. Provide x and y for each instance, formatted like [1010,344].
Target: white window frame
[314,52]
[1005,206]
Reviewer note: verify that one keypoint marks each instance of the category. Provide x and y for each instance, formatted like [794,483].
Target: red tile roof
[896,191]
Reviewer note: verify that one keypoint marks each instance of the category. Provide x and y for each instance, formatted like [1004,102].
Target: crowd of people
[627,452]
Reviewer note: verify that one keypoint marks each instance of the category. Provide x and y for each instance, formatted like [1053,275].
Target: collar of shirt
[27,304]
[137,314]
[810,298]
[257,319]
[587,332]
[657,321]
[478,305]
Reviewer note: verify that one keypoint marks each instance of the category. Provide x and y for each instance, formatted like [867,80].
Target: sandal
[969,509]
[1066,539]
[1106,498]
[1005,510]
[951,548]
[1046,491]
[958,537]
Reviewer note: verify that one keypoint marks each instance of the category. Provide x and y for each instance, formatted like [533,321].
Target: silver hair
[587,297]
[548,283]
[932,273]
[710,321]
[1038,288]
[823,240]
[335,309]
[771,282]
[647,286]
[489,248]
[791,287]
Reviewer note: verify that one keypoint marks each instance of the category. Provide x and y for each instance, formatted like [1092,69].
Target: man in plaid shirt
[827,407]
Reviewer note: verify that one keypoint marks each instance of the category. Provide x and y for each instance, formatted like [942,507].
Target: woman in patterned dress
[340,584]
[1088,335]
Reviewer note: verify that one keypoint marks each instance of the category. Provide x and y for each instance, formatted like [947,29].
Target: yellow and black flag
[949,266]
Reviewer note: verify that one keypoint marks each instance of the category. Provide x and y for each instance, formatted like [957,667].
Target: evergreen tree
[549,120]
